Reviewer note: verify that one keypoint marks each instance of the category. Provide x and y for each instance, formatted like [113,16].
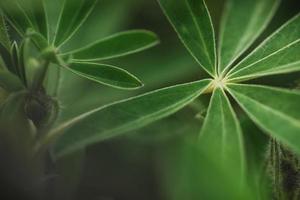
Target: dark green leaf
[15,55]
[276,111]
[277,54]
[242,22]
[26,14]
[4,37]
[22,60]
[10,82]
[98,26]
[35,12]
[117,45]
[106,74]
[40,17]
[121,117]
[192,22]
[72,16]
[20,15]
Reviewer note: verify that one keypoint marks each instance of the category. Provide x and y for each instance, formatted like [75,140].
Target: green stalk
[40,77]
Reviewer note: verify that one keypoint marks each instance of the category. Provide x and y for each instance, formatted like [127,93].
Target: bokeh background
[148,164]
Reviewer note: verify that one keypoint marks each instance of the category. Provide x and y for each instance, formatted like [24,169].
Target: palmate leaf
[192,22]
[221,135]
[274,110]
[72,16]
[112,120]
[117,45]
[106,74]
[277,54]
[242,22]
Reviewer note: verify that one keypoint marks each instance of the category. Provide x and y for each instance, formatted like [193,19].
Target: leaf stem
[40,76]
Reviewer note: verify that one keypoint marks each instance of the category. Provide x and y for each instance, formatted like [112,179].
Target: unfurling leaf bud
[41,109]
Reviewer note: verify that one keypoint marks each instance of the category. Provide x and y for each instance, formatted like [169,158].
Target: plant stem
[40,77]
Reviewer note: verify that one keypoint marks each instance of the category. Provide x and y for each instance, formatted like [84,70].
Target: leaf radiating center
[219,82]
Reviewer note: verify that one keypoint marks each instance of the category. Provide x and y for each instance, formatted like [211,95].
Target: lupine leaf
[53,9]
[41,17]
[242,22]
[10,82]
[277,54]
[26,14]
[72,16]
[192,22]
[4,37]
[97,26]
[117,45]
[221,135]
[106,74]
[15,55]
[22,60]
[276,111]
[112,120]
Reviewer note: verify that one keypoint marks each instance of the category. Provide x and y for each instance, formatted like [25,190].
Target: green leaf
[274,110]
[35,13]
[53,9]
[277,54]
[15,58]
[40,16]
[193,24]
[117,45]
[124,116]
[106,74]
[4,37]
[98,26]
[72,16]
[22,60]
[242,22]
[16,15]
[24,14]
[10,82]
[192,174]
[221,135]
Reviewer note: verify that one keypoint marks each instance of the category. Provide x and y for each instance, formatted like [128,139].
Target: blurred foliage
[159,161]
